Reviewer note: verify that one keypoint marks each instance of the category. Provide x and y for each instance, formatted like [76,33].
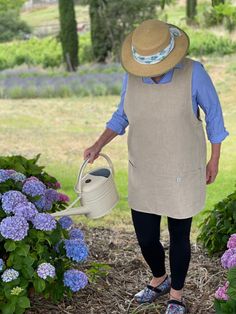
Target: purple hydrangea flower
[11,199]
[14,228]
[45,222]
[221,292]
[228,259]
[232,241]
[34,187]
[52,195]
[76,250]
[45,270]
[1,264]
[63,198]
[76,233]
[75,279]
[66,222]
[4,175]
[26,210]
[9,275]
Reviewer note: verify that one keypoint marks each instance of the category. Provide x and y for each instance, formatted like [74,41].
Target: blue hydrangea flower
[66,222]
[45,222]
[45,270]
[76,250]
[75,279]
[17,176]
[14,228]
[34,188]
[9,275]
[4,175]
[1,264]
[76,233]
[41,203]
[26,210]
[11,199]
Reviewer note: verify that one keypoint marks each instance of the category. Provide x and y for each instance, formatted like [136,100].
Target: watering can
[96,191]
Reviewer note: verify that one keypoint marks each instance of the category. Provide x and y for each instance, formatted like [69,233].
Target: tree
[100,35]
[112,20]
[216,2]
[68,34]
[191,11]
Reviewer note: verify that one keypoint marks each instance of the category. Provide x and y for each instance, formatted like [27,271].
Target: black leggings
[147,228]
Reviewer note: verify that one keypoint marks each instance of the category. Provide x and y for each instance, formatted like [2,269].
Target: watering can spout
[97,192]
[72,211]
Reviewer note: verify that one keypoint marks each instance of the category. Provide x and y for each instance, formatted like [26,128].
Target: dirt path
[129,273]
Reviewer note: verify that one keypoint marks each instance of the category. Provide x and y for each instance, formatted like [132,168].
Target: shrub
[223,13]
[11,27]
[37,251]
[219,225]
[225,296]
[206,43]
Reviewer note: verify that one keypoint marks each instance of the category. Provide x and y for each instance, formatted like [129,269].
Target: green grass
[61,129]
[49,15]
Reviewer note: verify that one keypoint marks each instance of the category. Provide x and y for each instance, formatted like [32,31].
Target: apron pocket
[191,187]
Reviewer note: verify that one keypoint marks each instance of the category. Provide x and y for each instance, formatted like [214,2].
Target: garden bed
[129,273]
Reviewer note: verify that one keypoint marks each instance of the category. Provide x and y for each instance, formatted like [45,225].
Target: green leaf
[27,272]
[8,308]
[23,302]
[39,284]
[10,246]
[23,250]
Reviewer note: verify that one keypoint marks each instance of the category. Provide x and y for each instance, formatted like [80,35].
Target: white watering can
[96,191]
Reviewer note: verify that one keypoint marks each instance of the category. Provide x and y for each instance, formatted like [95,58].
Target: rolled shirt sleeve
[206,97]
[119,120]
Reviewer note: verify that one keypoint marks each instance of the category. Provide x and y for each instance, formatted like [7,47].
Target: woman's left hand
[211,170]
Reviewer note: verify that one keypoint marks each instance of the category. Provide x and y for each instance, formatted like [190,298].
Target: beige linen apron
[166,146]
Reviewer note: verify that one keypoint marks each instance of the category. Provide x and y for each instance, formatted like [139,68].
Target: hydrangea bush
[225,295]
[37,252]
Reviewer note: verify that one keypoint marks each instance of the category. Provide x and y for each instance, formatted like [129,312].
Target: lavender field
[92,80]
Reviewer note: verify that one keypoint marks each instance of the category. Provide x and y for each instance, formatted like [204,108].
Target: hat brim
[150,70]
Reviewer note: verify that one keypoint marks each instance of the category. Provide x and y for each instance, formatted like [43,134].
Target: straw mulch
[129,273]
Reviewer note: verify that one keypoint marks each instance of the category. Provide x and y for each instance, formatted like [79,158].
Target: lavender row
[41,85]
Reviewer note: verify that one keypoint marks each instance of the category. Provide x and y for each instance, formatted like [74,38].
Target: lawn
[60,129]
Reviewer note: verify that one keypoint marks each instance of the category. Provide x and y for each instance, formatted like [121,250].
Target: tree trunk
[68,34]
[191,10]
[100,38]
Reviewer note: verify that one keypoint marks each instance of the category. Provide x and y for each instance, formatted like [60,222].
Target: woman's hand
[92,152]
[212,170]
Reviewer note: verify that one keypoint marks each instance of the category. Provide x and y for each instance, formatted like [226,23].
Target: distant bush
[11,27]
[206,43]
[45,52]
[223,13]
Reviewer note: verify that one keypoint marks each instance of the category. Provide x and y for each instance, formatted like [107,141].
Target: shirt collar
[166,77]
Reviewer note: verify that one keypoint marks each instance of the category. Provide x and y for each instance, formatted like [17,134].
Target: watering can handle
[84,164]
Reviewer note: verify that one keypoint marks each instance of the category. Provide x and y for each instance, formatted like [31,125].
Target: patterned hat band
[155,58]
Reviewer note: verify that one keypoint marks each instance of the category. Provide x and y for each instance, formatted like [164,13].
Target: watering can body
[96,191]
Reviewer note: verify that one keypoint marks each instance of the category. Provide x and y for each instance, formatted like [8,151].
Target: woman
[167,171]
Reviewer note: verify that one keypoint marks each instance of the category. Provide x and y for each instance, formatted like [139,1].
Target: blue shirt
[203,95]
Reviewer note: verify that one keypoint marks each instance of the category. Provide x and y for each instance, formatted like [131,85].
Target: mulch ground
[129,273]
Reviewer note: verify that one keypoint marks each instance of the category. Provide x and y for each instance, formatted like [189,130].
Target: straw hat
[153,48]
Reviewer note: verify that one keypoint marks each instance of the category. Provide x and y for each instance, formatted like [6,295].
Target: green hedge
[47,52]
